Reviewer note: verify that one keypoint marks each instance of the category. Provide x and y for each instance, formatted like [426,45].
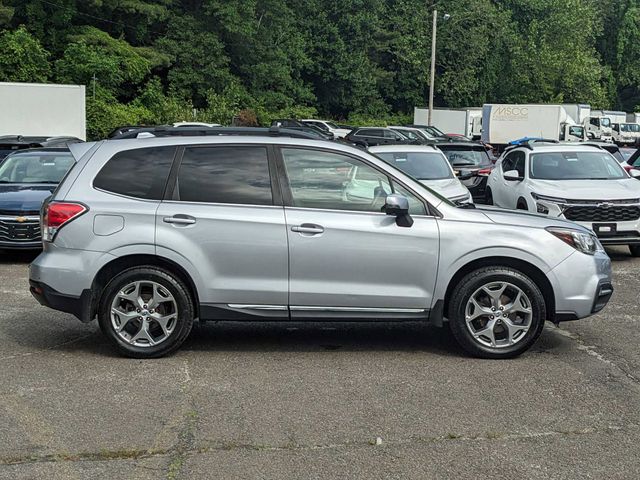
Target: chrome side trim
[296,308]
[242,306]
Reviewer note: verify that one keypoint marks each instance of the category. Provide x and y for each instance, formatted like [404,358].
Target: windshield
[465,156]
[576,131]
[436,132]
[419,165]
[629,127]
[332,125]
[5,151]
[409,134]
[35,167]
[575,166]
[627,152]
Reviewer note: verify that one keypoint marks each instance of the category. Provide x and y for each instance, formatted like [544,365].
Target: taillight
[55,215]
[484,172]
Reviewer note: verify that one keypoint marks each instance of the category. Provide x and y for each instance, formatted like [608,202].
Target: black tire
[522,204]
[183,321]
[635,250]
[475,280]
[488,197]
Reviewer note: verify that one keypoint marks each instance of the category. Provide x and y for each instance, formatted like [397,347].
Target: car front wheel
[146,312]
[496,312]
[635,250]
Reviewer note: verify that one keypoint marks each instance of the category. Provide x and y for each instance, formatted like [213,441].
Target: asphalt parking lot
[280,401]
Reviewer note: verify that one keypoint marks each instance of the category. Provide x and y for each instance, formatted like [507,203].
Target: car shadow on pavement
[619,254]
[18,256]
[269,337]
[321,337]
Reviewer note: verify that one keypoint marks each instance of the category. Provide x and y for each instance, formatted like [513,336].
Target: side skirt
[247,312]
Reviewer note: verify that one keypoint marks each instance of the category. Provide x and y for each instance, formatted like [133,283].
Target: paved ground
[286,401]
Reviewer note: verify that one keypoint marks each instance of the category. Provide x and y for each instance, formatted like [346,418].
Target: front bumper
[609,232]
[8,245]
[582,284]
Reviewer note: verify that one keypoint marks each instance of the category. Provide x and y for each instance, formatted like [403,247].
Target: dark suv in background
[472,164]
[369,137]
[27,178]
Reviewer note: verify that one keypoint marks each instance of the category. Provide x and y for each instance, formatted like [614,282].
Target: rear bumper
[48,297]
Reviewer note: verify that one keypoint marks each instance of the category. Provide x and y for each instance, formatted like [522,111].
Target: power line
[76,12]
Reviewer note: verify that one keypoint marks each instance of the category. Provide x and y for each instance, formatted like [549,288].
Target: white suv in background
[582,183]
[428,165]
[328,126]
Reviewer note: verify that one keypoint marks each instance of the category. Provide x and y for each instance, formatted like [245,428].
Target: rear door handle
[180,220]
[308,228]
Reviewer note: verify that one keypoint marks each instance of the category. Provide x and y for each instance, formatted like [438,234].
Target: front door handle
[308,228]
[180,220]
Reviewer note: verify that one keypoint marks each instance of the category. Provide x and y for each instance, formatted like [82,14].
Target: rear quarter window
[140,173]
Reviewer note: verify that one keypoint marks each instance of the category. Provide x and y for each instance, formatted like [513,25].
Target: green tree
[22,58]
[117,66]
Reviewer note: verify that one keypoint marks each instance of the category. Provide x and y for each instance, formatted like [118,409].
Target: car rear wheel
[146,312]
[635,250]
[496,312]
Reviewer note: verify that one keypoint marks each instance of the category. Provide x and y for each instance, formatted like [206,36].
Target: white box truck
[43,110]
[598,126]
[456,121]
[578,111]
[614,116]
[625,133]
[633,117]
[504,123]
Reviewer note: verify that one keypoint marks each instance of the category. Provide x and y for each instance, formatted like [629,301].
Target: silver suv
[149,234]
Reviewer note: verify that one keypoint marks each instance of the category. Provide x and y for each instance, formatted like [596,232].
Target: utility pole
[433,64]
[94,87]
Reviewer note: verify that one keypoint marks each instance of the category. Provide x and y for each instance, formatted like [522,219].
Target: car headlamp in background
[462,199]
[583,242]
[541,207]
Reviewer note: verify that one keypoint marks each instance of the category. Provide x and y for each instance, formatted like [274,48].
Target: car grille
[611,213]
[13,230]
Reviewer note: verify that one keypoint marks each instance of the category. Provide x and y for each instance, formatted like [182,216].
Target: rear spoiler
[78,150]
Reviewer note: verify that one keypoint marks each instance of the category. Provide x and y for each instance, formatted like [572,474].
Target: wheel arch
[522,201]
[532,271]
[117,265]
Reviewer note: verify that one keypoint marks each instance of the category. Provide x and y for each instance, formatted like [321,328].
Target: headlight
[583,242]
[545,198]
[466,198]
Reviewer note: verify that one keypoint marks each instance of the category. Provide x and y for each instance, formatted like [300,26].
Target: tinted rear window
[238,175]
[465,156]
[140,173]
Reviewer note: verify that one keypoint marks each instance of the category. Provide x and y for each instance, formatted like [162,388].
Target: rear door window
[140,173]
[236,175]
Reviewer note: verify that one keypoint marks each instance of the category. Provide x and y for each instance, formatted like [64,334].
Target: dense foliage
[156,61]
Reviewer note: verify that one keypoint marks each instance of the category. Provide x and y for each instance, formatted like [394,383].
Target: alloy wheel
[498,314]
[144,313]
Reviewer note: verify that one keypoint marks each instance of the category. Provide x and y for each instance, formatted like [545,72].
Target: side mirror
[513,176]
[634,173]
[398,206]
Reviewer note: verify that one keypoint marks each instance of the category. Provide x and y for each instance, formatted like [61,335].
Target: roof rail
[542,140]
[168,131]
